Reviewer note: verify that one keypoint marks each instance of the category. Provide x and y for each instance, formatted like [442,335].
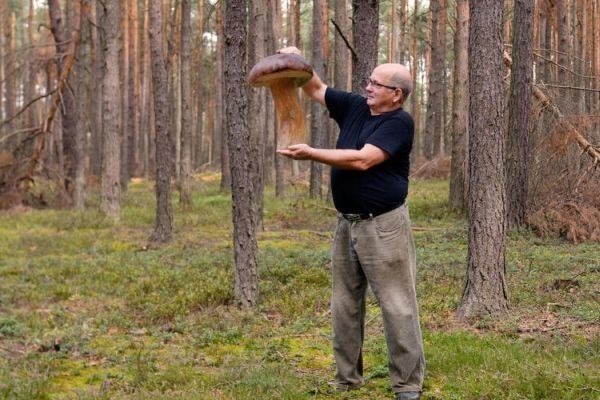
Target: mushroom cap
[277,66]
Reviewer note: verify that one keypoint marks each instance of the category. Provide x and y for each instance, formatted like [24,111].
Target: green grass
[89,311]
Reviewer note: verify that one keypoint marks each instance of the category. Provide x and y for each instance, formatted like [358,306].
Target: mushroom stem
[290,120]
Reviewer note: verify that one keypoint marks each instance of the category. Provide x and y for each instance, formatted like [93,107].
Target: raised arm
[314,88]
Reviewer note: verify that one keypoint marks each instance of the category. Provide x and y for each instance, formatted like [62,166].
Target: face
[381,96]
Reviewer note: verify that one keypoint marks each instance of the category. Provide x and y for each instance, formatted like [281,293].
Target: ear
[399,97]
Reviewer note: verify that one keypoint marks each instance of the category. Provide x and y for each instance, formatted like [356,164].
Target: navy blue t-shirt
[384,186]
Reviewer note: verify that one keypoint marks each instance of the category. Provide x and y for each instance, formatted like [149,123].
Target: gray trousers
[379,252]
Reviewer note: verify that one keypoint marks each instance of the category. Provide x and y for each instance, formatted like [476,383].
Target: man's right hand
[300,151]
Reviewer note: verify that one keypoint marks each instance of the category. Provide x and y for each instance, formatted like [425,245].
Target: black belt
[362,217]
[357,217]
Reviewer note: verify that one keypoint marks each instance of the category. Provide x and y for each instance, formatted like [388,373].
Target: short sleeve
[394,136]
[340,104]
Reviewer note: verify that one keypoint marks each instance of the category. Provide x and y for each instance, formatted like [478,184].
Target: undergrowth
[89,311]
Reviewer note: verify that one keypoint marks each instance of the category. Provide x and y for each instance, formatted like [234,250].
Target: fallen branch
[572,88]
[16,133]
[55,100]
[26,106]
[585,144]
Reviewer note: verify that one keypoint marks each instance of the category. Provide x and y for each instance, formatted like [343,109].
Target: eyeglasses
[378,85]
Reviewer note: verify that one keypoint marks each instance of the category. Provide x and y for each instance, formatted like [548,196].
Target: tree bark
[33,67]
[111,96]
[163,230]
[97,71]
[460,106]
[147,113]
[281,162]
[242,155]
[270,47]
[81,140]
[402,42]
[415,95]
[257,100]
[342,53]
[133,120]
[519,108]
[562,19]
[220,140]
[485,290]
[10,72]
[125,89]
[435,97]
[198,137]
[185,174]
[318,125]
[68,114]
[365,27]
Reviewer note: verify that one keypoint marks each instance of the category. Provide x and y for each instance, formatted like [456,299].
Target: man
[373,242]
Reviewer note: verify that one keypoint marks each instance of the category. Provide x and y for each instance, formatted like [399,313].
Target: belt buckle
[352,217]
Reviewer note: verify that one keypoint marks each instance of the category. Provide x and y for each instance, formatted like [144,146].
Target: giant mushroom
[283,73]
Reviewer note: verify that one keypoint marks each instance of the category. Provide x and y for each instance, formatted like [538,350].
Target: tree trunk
[198,137]
[174,79]
[364,28]
[540,42]
[133,120]
[163,230]
[562,19]
[392,33]
[220,141]
[341,73]
[242,155]
[402,43]
[68,114]
[342,53]
[293,37]
[97,71]
[485,290]
[460,105]
[81,140]
[270,47]
[595,45]
[10,72]
[318,124]
[296,15]
[519,108]
[32,69]
[147,114]
[257,119]
[124,65]
[435,96]
[579,56]
[185,174]
[415,95]
[111,189]
[443,85]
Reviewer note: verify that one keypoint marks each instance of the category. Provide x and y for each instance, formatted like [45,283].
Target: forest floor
[89,310]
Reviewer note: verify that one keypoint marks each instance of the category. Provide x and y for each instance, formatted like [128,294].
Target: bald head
[397,75]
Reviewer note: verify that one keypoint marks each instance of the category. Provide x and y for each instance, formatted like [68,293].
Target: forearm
[360,160]
[315,89]
[340,158]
